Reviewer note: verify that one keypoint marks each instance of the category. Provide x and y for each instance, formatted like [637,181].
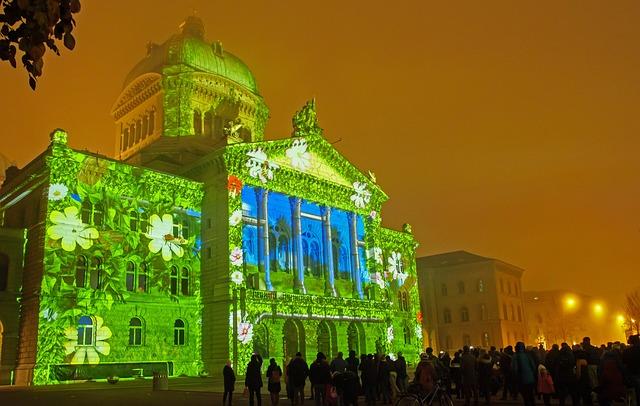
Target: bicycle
[437,397]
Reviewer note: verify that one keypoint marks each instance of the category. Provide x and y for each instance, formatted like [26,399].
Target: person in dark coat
[320,375]
[610,376]
[525,372]
[505,370]
[456,375]
[274,373]
[401,371]
[353,362]
[297,376]
[485,371]
[631,361]
[384,383]
[369,379]
[347,384]
[253,379]
[229,382]
[564,377]
[469,373]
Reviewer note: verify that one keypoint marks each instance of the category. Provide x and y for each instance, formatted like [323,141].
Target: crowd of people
[581,372]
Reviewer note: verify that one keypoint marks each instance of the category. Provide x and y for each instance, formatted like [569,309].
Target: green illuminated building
[201,242]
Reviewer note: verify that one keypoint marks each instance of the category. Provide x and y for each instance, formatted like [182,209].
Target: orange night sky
[508,129]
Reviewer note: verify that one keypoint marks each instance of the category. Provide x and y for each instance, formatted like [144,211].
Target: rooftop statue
[305,121]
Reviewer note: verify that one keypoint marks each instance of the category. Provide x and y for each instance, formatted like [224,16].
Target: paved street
[182,391]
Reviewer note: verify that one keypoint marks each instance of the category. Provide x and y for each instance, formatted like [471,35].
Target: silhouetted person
[524,372]
[229,378]
[253,379]
[468,370]
[320,376]
[297,375]
[274,373]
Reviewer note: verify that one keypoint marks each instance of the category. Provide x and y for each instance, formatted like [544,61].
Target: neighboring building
[202,243]
[468,299]
[556,316]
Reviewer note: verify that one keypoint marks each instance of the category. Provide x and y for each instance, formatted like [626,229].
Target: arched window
[513,312]
[4,271]
[461,287]
[184,285]
[466,339]
[85,331]
[82,268]
[86,209]
[135,331]
[178,332]
[519,313]
[208,124]
[174,280]
[407,335]
[504,311]
[480,285]
[98,214]
[95,278]
[447,316]
[197,122]
[152,121]
[483,312]
[130,279]
[443,289]
[143,277]
[133,220]
[464,314]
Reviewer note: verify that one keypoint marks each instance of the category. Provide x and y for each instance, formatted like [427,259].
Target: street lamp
[598,309]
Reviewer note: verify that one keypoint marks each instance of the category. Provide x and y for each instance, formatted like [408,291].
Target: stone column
[296,245]
[263,236]
[329,287]
[355,256]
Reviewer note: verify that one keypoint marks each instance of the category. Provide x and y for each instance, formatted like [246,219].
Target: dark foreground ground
[182,391]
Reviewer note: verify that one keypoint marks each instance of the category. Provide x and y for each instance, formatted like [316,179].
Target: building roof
[189,48]
[455,258]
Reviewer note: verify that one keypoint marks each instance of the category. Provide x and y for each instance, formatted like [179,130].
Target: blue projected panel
[278,264]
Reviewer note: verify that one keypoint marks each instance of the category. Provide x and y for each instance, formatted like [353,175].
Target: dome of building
[189,48]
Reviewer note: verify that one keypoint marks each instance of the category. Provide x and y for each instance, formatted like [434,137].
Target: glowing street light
[598,309]
[620,318]
[570,303]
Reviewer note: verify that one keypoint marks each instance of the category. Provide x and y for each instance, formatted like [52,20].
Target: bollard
[160,381]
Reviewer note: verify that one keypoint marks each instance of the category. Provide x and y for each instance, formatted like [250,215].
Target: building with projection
[469,299]
[200,241]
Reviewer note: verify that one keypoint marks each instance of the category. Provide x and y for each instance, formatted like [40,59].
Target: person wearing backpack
[274,373]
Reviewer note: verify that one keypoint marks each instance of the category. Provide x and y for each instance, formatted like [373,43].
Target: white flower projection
[57,191]
[361,196]
[298,155]
[259,165]
[68,227]
[162,238]
[89,353]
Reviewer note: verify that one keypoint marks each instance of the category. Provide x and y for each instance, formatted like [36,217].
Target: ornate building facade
[201,242]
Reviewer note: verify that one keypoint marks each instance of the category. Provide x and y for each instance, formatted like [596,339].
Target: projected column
[355,260]
[329,287]
[263,235]
[296,244]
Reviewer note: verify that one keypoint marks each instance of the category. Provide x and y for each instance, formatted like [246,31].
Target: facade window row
[511,288]
[90,273]
[87,330]
[511,315]
[94,213]
[137,130]
[444,289]
[466,340]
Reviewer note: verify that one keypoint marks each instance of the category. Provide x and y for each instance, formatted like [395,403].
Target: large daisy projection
[68,227]
[162,238]
[81,342]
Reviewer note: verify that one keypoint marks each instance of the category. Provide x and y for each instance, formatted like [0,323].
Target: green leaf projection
[122,271]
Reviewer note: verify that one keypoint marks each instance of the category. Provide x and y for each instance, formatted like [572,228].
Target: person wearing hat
[545,384]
